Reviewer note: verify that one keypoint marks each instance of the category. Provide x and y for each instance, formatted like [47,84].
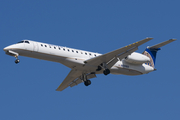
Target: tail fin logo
[152,62]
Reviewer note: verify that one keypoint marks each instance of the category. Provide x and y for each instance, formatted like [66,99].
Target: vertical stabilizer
[152,51]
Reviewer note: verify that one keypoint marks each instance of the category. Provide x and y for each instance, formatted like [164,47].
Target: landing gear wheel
[17,61]
[106,71]
[87,82]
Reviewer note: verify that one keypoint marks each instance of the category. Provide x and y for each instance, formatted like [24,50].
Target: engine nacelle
[137,58]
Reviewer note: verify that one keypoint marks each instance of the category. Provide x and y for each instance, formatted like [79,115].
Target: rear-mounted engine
[137,58]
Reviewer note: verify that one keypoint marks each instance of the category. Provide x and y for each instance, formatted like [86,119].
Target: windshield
[27,42]
[21,42]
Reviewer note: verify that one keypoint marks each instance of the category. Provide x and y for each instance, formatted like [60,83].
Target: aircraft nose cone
[6,48]
[14,46]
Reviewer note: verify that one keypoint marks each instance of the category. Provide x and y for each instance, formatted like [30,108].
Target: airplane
[85,65]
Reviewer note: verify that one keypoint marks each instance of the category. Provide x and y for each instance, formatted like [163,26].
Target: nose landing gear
[17,60]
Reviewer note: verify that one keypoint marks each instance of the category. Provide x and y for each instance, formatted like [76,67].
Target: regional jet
[85,65]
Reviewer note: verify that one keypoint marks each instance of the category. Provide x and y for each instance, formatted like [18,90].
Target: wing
[73,75]
[73,79]
[110,58]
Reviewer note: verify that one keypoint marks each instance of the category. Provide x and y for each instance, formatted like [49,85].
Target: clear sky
[27,89]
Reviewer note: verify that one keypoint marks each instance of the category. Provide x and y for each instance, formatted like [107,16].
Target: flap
[73,74]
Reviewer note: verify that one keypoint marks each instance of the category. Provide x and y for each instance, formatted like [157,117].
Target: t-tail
[152,51]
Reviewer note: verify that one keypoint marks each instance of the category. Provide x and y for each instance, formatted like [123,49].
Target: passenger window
[64,49]
[72,50]
[86,53]
[76,51]
[59,48]
[45,45]
[49,46]
[68,50]
[42,45]
[94,54]
[89,53]
[81,52]
[54,47]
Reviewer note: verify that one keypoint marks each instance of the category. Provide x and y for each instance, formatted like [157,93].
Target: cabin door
[35,46]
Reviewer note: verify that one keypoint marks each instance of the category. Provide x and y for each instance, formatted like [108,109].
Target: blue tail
[152,51]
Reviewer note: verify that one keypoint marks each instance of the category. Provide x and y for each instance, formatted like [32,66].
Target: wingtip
[149,38]
[173,39]
[58,89]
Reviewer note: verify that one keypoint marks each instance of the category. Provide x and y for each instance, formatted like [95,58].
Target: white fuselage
[74,58]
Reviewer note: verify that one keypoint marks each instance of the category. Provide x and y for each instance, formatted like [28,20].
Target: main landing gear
[86,81]
[104,66]
[106,71]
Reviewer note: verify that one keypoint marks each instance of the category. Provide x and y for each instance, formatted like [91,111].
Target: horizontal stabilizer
[161,44]
[152,51]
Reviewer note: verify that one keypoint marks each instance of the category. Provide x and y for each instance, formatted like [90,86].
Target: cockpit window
[21,42]
[27,42]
